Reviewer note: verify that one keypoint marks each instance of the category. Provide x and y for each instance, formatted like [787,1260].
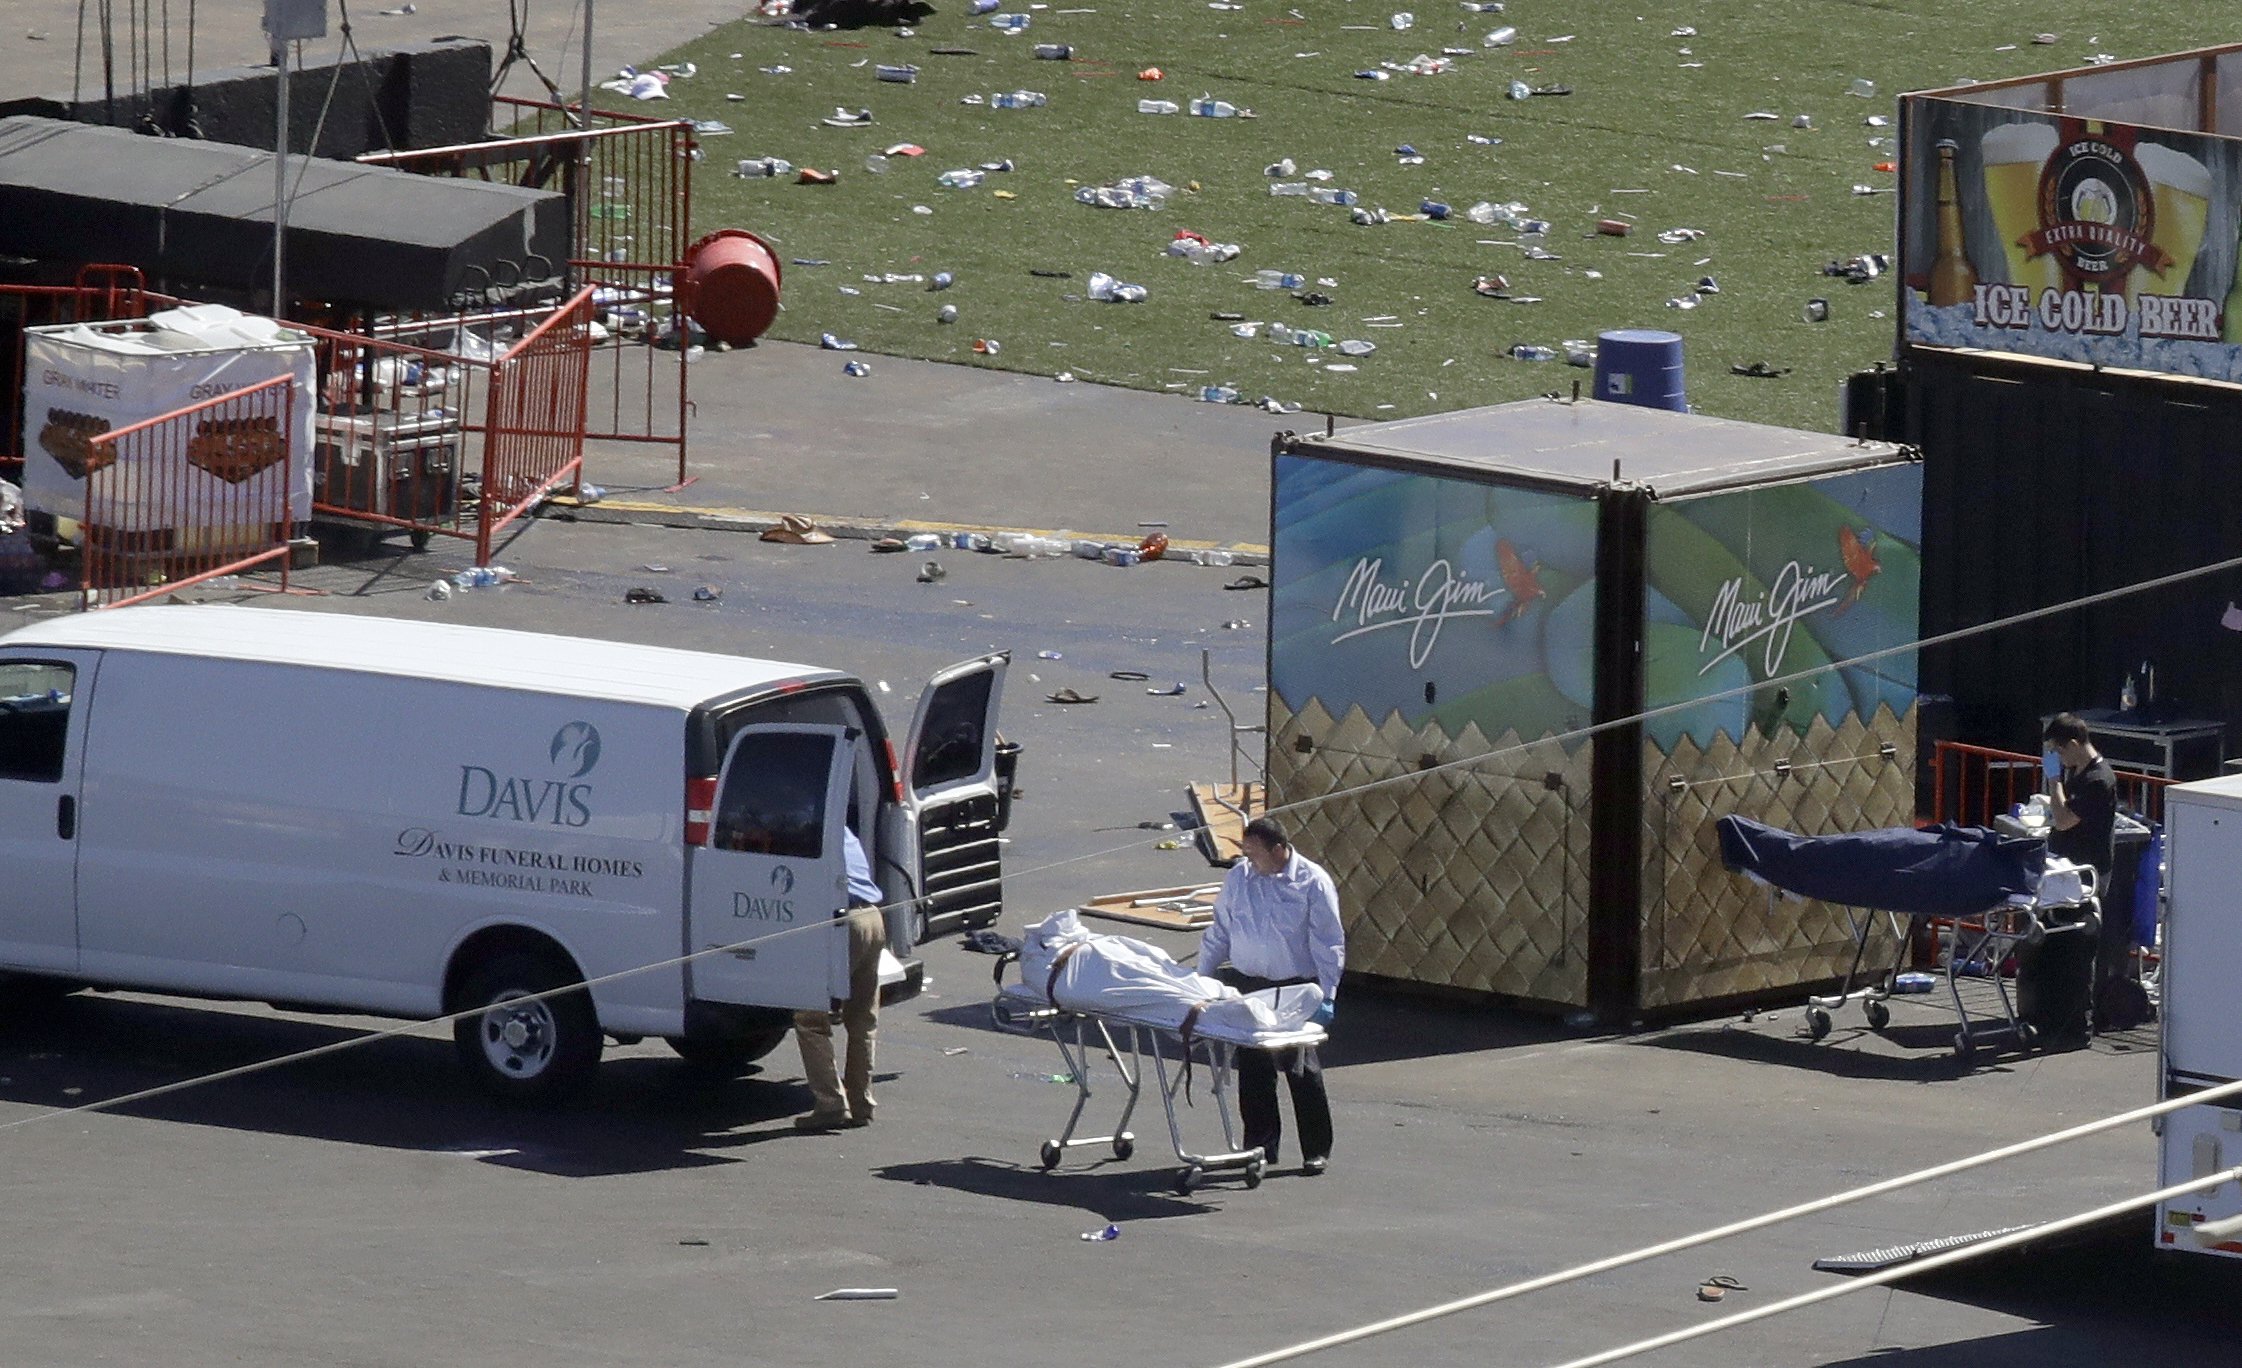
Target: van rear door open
[949,775]
[773,873]
[43,698]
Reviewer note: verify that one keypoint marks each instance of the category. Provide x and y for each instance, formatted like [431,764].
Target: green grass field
[1640,109]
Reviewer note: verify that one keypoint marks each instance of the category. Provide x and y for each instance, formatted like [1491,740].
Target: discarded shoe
[1070,696]
[1247,582]
[644,596]
[795,530]
[842,118]
[1718,1286]
[888,545]
[1760,370]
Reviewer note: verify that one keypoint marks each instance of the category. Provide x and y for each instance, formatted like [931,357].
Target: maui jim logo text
[1376,604]
[1737,622]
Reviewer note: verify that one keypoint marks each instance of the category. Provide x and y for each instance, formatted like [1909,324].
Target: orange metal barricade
[191,495]
[534,438]
[1972,785]
[629,182]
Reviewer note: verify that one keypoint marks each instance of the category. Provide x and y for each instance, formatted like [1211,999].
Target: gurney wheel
[1189,1179]
[1963,1048]
[1253,1174]
[1817,1022]
[1879,1016]
[1124,1146]
[1049,1154]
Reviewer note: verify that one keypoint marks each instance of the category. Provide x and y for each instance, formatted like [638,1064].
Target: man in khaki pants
[845,1098]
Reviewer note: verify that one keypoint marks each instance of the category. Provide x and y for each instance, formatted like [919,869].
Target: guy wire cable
[1799,676]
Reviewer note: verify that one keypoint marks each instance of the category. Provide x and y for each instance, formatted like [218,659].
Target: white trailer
[411,819]
[2202,1030]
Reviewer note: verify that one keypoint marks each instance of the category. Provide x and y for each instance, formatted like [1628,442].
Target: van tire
[534,1055]
[725,1056]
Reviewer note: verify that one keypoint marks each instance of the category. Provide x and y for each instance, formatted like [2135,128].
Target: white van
[409,819]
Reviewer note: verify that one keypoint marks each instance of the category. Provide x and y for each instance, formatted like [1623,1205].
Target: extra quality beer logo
[2097,211]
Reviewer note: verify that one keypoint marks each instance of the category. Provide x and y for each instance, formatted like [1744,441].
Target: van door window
[953,744]
[773,801]
[34,720]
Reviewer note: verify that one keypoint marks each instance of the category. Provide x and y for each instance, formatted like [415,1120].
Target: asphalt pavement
[368,1208]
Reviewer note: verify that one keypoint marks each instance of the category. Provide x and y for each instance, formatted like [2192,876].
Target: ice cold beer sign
[2074,239]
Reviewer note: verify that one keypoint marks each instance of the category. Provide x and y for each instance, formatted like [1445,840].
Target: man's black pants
[1257,1088]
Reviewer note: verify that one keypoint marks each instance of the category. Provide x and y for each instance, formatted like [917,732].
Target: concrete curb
[756,521]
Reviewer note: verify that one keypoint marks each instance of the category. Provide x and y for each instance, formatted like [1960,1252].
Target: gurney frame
[1082,1036]
[1986,939]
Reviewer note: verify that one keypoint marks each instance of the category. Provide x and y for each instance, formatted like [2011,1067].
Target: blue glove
[1325,1013]
[2051,764]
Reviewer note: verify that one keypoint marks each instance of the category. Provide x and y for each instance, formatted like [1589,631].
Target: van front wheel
[523,1048]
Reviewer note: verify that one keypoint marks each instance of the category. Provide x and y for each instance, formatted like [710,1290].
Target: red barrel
[732,282]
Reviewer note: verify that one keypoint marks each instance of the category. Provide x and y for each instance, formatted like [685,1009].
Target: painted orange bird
[1860,562]
[1521,577]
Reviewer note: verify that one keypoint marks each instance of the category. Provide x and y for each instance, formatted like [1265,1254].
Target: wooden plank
[1150,916]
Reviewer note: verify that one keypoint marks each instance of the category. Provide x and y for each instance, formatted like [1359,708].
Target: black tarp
[194,214]
[1941,871]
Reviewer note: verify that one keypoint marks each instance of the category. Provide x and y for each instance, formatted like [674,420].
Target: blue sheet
[1941,871]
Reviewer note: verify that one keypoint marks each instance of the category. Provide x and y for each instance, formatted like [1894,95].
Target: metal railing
[1972,785]
[629,183]
[191,495]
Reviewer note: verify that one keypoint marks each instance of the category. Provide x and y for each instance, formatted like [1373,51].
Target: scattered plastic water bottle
[855,369]
[1054,52]
[1354,347]
[1502,37]
[1434,210]
[984,6]
[1208,107]
[1403,20]
[1157,107]
[1524,352]
[943,280]
[1519,90]
[753,167]
[1280,333]
[1107,290]
[1324,194]
[1019,99]
[1111,1232]
[1122,556]
[923,541]
[590,494]
[970,541]
[897,75]
[482,576]
[1009,23]
[1217,394]
[1213,558]
[876,164]
[1266,279]
[1298,188]
[962,179]
[1470,6]
[832,343]
[1482,212]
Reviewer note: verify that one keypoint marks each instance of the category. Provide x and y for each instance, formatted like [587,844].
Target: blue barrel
[1640,366]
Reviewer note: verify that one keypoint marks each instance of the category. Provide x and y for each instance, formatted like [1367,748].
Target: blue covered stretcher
[1992,890]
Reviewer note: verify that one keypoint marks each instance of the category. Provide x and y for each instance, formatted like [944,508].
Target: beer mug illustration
[2180,193]
[2013,156]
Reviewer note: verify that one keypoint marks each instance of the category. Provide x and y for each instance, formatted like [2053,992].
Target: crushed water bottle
[1157,107]
[1009,23]
[1106,289]
[1502,37]
[960,179]
[1525,352]
[923,541]
[1213,558]
[1482,212]
[1217,394]
[983,6]
[1208,107]
[1477,6]
[1357,348]
[1266,279]
[1403,20]
[756,167]
[1324,194]
[1054,52]
[483,576]
[1295,188]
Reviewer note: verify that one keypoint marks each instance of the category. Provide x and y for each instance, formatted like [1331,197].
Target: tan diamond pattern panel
[1707,933]
[1472,877]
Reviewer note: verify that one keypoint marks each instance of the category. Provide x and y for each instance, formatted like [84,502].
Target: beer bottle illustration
[1952,280]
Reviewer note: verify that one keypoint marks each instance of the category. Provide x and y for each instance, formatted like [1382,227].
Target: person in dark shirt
[2082,798]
